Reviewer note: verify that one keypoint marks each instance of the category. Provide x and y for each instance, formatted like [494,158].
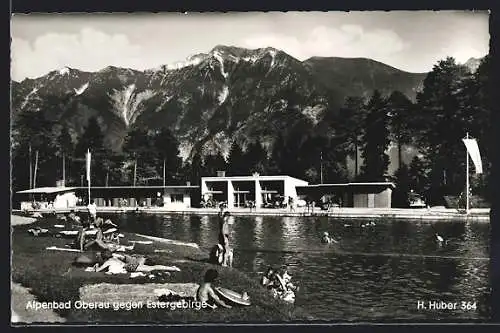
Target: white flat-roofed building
[48,197]
[358,195]
[236,191]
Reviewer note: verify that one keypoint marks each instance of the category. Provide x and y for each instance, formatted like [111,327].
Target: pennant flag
[473,149]
[88,165]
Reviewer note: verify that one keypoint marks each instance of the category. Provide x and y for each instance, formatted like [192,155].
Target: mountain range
[210,99]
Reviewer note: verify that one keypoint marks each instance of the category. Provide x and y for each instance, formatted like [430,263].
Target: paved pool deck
[421,214]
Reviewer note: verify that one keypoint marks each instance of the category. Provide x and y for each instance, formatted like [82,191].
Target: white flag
[473,150]
[88,165]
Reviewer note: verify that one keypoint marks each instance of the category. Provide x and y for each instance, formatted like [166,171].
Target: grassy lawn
[52,277]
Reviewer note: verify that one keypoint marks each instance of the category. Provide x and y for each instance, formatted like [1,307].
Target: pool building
[359,195]
[260,191]
[237,191]
[171,197]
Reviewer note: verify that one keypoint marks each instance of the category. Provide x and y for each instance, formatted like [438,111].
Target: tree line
[452,101]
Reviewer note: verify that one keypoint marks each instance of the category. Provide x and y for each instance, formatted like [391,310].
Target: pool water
[377,272]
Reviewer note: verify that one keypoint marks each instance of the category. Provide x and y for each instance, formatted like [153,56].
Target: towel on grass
[107,292]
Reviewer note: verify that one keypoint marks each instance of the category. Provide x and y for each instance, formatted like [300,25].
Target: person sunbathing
[205,292]
[123,263]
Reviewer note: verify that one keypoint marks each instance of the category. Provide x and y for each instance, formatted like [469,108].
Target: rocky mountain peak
[209,99]
[473,64]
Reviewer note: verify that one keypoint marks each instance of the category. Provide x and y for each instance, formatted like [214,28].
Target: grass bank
[51,277]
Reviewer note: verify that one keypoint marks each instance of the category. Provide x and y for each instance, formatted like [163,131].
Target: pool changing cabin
[172,197]
[358,195]
[237,190]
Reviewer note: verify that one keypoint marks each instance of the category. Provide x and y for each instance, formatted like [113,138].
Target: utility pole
[36,167]
[31,167]
[164,162]
[64,169]
[356,158]
[321,167]
[135,171]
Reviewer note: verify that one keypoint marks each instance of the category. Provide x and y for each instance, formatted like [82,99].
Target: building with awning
[48,197]
[175,196]
[172,196]
[237,191]
[366,195]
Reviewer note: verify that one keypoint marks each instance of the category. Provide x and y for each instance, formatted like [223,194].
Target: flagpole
[88,173]
[467,177]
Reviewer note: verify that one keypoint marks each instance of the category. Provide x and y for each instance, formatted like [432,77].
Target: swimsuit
[132,263]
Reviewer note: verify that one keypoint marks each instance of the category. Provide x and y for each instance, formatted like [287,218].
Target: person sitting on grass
[283,280]
[97,243]
[206,294]
[123,263]
[80,237]
[73,217]
[267,279]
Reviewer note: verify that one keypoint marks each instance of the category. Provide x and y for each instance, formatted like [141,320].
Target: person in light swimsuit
[126,263]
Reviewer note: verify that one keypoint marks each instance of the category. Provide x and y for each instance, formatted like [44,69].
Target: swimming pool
[378,272]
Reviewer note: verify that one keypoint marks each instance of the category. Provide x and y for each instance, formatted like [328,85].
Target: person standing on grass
[224,238]
[92,210]
[290,204]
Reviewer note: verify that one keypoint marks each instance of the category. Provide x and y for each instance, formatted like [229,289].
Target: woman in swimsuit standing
[224,238]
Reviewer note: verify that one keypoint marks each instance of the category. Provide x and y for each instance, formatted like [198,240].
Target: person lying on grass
[206,294]
[123,263]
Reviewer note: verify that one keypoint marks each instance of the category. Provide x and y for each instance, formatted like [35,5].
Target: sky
[411,41]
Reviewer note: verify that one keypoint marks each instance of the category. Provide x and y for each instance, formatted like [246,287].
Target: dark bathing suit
[132,263]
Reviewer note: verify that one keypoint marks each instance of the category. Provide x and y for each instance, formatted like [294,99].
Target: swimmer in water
[326,239]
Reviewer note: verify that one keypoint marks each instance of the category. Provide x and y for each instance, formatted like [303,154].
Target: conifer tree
[375,140]
[236,163]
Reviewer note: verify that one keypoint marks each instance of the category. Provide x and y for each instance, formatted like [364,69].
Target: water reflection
[377,272]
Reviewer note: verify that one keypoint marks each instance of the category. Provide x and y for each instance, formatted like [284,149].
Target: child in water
[206,294]
[326,239]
